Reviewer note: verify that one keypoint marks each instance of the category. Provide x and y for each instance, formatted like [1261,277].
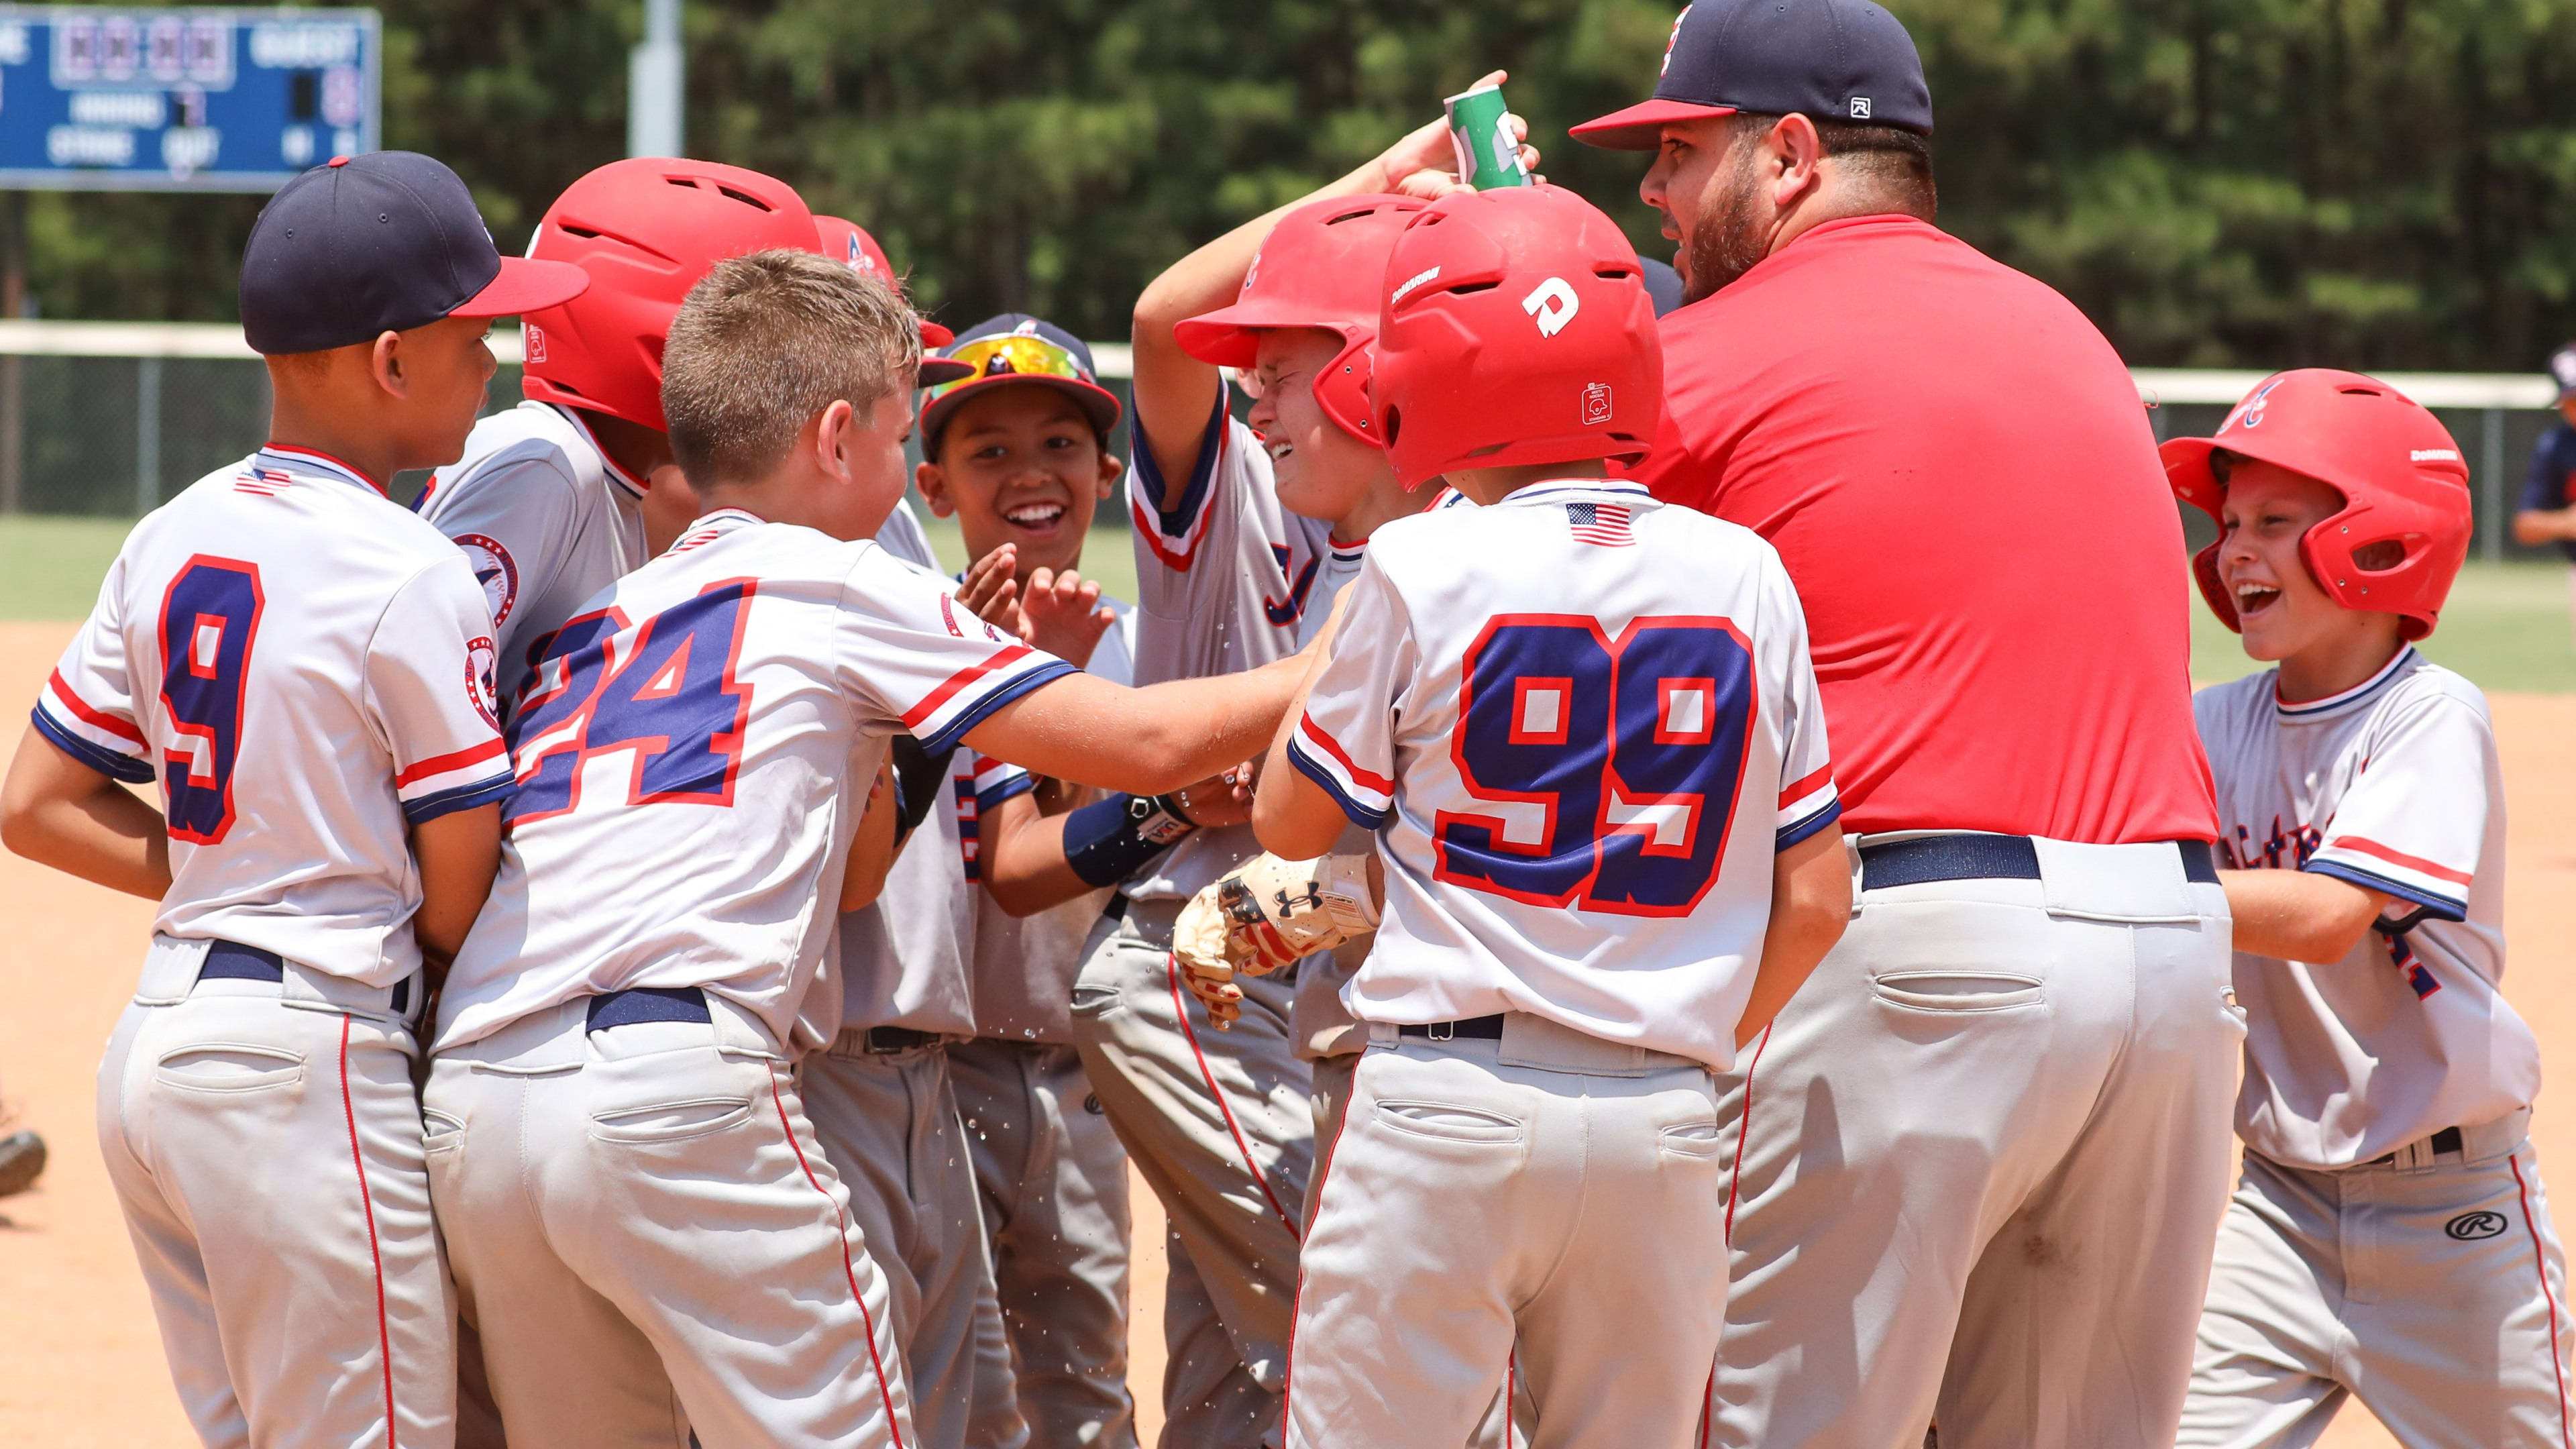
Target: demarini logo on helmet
[1552,304]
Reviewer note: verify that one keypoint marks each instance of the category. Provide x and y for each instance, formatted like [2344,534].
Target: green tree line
[2369,183]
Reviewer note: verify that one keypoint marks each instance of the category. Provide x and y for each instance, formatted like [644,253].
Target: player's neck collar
[1559,490]
[634,486]
[296,459]
[2368,689]
[714,526]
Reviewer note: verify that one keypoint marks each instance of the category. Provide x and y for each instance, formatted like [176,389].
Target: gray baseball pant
[1054,1183]
[2431,1288]
[1220,1126]
[888,1122]
[1984,1152]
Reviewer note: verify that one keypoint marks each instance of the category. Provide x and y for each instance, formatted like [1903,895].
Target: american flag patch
[1603,525]
[266,482]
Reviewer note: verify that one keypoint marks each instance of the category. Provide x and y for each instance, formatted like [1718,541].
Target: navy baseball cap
[1018,348]
[1828,60]
[382,242]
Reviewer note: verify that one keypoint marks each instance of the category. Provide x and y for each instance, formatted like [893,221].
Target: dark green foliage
[2377,183]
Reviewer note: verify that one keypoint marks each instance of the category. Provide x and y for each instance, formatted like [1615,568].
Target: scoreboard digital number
[104,98]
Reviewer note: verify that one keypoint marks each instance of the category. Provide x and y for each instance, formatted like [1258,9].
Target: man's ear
[1111,466]
[1794,154]
[385,364]
[932,480]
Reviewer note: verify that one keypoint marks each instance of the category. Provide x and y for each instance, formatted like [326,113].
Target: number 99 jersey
[1582,723]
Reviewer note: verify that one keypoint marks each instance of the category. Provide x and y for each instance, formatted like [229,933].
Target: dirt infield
[84,1366]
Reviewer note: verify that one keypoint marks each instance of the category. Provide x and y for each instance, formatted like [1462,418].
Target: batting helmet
[846,239]
[2399,470]
[646,230]
[1516,330]
[1319,267]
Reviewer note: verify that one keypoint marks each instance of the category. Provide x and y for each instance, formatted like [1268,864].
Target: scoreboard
[112,98]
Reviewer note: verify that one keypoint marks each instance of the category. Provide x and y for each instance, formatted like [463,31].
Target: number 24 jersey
[1582,723]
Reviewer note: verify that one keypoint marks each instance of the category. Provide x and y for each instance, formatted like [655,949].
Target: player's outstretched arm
[459,853]
[2299,915]
[1144,741]
[1029,865]
[56,811]
[1810,905]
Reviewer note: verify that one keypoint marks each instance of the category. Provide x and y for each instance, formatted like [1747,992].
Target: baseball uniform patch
[495,570]
[482,679]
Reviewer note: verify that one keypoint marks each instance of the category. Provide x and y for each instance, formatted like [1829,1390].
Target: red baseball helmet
[1319,267]
[646,230]
[1517,329]
[2399,470]
[846,239]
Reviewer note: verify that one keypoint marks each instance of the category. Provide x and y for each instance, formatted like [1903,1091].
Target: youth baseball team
[645,957]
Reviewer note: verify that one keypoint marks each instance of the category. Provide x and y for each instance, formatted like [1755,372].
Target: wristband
[1106,841]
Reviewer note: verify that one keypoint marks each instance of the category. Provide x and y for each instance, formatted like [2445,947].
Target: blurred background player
[2017,1041]
[307,668]
[1244,533]
[1018,454]
[2548,512]
[2389,1238]
[1533,1147]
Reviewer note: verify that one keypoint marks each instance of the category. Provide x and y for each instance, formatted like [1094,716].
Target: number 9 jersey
[1582,723]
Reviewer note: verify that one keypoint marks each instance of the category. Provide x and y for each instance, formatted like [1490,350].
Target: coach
[1985,1149]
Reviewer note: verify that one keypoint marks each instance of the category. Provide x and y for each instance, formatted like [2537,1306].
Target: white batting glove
[1264,914]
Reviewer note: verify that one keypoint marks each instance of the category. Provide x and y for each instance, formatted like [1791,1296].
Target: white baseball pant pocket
[653,1241]
[270,1166]
[1468,1205]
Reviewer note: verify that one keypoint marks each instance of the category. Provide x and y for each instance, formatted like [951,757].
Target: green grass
[2506,627]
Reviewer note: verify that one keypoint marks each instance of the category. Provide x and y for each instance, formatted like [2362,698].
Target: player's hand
[993,594]
[1265,914]
[1219,799]
[1424,165]
[1199,949]
[1064,615]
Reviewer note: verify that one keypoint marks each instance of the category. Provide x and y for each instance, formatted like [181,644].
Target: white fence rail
[73,422]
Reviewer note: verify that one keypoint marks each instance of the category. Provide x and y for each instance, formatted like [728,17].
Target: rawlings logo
[2471,1227]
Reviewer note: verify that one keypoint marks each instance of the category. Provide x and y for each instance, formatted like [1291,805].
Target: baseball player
[631,1191]
[307,669]
[1245,531]
[2389,1238]
[554,499]
[2017,1062]
[1549,709]
[2548,512]
[1018,453]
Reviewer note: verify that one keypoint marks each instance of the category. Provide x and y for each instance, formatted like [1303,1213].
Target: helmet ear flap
[1342,389]
[2204,572]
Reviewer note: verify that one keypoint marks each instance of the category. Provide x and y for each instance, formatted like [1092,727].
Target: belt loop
[1442,1031]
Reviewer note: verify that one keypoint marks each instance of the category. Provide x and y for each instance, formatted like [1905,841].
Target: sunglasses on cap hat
[1021,355]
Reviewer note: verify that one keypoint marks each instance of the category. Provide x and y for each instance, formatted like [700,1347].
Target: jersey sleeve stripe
[2398,857]
[462,797]
[1797,790]
[932,702]
[450,762]
[95,719]
[1174,535]
[988,796]
[98,757]
[1791,832]
[947,735]
[1375,784]
[2443,907]
[1364,815]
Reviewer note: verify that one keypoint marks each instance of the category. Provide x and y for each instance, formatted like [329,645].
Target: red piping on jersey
[1323,1174]
[458,760]
[1800,789]
[375,1254]
[2540,1261]
[2398,857]
[292,451]
[1743,1126]
[89,716]
[849,1270]
[1181,1009]
[931,702]
[1381,784]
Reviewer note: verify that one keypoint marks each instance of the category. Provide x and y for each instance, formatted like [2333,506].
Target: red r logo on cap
[1670,40]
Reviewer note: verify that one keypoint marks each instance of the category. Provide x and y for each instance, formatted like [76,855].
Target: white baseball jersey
[308,668]
[1225,582]
[1024,965]
[1550,711]
[546,519]
[2393,785]
[692,762]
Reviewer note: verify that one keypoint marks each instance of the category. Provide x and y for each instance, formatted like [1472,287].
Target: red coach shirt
[1955,467]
